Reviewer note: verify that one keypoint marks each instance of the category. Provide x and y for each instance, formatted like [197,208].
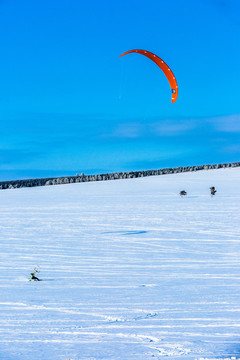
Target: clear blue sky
[69,104]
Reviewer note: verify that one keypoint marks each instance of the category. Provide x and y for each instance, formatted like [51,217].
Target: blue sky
[69,104]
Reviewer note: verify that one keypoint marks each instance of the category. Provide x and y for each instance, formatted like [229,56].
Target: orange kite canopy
[165,68]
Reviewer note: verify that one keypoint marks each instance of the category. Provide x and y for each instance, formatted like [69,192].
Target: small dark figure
[183,193]
[213,190]
[33,277]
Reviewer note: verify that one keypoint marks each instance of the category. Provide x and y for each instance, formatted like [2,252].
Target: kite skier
[33,277]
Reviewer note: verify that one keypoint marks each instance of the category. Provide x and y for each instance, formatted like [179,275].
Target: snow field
[131,270]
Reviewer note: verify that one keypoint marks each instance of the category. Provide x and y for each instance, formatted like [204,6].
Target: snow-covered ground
[131,270]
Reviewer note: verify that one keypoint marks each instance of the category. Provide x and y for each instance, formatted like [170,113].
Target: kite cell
[165,68]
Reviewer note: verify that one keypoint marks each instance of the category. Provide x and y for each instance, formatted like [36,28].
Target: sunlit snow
[131,270]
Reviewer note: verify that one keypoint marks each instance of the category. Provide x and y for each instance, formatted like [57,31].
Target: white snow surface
[131,270]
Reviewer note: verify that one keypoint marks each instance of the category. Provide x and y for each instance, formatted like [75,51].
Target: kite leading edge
[163,66]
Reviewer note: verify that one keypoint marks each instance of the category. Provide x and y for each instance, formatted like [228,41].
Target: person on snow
[33,277]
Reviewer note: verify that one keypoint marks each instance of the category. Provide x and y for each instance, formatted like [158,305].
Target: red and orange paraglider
[163,66]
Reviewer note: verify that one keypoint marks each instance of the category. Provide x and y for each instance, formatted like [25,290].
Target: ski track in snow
[131,270]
